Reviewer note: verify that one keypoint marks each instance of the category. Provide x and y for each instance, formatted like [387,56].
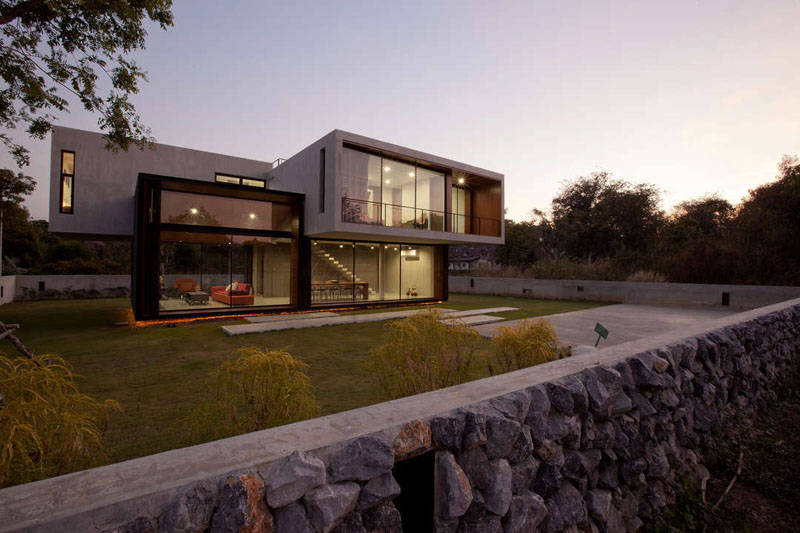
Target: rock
[523,474]
[621,404]
[498,493]
[513,405]
[241,506]
[560,397]
[551,453]
[329,504]
[501,434]
[609,476]
[571,505]
[474,431]
[526,512]
[140,524]
[599,504]
[441,525]
[644,376]
[563,428]
[476,465]
[452,490]
[657,462]
[447,432]
[288,479]
[599,396]
[361,459]
[488,524]
[292,518]
[377,491]
[414,439]
[548,480]
[522,448]
[383,519]
[477,509]
[191,512]
[642,404]
[576,466]
[580,398]
[350,524]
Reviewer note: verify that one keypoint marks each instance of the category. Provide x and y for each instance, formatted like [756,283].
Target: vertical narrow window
[322,180]
[67,181]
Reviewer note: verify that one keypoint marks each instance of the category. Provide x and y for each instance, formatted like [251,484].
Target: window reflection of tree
[196,215]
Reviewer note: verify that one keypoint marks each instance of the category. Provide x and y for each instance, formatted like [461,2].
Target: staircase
[341,270]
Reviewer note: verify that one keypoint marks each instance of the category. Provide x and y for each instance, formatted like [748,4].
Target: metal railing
[400,216]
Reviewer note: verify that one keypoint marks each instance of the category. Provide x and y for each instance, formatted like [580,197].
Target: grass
[159,374]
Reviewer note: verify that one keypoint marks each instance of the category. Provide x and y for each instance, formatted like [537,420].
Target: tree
[13,187]
[53,50]
[596,216]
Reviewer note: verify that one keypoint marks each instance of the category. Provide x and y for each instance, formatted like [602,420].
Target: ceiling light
[388,181]
[252,215]
[193,210]
[387,169]
[371,247]
[341,246]
[461,181]
[411,174]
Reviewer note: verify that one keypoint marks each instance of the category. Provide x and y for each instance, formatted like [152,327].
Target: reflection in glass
[430,200]
[221,211]
[67,163]
[66,194]
[398,193]
[332,277]
[361,184]
[459,209]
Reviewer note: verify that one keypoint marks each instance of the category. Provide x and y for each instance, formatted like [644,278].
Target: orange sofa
[240,296]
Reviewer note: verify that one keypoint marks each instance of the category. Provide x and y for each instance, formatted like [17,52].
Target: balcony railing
[399,216]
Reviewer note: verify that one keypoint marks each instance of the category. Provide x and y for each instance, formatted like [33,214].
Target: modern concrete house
[347,221]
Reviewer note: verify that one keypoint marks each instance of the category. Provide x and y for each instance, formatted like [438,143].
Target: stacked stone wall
[598,449]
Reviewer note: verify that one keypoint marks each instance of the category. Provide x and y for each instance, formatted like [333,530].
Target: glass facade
[459,210]
[212,270]
[353,272]
[390,192]
[67,182]
[194,209]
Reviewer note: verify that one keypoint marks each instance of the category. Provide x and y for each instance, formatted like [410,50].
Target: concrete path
[487,311]
[290,316]
[625,322]
[472,320]
[299,323]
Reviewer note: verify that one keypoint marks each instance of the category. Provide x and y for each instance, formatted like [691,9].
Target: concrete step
[473,320]
[487,311]
[289,316]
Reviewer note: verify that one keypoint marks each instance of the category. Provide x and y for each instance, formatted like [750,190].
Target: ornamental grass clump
[423,353]
[47,426]
[528,343]
[256,390]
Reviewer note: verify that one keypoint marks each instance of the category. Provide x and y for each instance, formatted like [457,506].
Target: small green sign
[601,331]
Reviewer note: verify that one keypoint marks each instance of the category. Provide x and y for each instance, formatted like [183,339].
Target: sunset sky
[694,97]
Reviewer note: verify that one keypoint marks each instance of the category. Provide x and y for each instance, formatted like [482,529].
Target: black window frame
[62,175]
[322,180]
[240,180]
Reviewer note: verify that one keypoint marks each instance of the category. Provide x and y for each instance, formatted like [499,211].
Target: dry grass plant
[47,426]
[528,343]
[424,354]
[256,390]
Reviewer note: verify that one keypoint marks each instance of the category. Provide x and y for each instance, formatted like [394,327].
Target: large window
[352,272]
[239,180]
[459,210]
[391,192]
[67,182]
[210,270]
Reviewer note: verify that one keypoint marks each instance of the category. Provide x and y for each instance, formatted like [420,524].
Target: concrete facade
[738,296]
[105,182]
[589,442]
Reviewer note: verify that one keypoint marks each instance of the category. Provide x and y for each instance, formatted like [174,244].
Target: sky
[696,98]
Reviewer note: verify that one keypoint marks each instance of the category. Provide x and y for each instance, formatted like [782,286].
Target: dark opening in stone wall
[415,502]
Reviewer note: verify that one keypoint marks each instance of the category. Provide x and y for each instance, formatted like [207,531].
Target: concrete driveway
[625,322]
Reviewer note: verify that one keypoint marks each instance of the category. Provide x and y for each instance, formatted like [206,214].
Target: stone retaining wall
[596,442]
[78,286]
[735,296]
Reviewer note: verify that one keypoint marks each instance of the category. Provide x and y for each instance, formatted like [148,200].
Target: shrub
[528,343]
[47,426]
[256,390]
[423,354]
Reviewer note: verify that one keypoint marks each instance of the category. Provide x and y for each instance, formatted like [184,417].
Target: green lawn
[159,374]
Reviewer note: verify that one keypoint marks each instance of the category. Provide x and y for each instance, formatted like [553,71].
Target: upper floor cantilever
[367,187]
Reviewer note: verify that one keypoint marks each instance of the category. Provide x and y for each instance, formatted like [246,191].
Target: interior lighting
[387,169]
[252,215]
[341,246]
[411,174]
[388,181]
[193,210]
[461,181]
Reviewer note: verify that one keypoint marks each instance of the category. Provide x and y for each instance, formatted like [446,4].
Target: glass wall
[332,277]
[353,272]
[220,211]
[382,190]
[459,210]
[208,270]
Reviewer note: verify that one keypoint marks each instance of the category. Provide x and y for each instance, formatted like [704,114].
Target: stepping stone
[290,316]
[301,323]
[474,320]
[487,311]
